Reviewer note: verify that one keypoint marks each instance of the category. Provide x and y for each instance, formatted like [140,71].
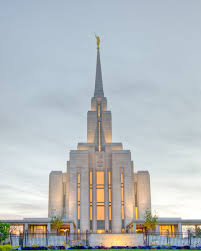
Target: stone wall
[109,240]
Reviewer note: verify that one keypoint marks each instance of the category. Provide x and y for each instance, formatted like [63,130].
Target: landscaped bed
[75,248]
[136,249]
[111,248]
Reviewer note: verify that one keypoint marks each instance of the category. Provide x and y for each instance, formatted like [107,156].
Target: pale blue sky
[151,61]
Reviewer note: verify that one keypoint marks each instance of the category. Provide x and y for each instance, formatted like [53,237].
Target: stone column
[128,190]
[106,202]
[72,232]
[143,193]
[26,227]
[49,227]
[134,228]
[73,188]
[55,194]
[180,227]
[157,229]
[71,228]
[116,195]
[94,223]
[84,199]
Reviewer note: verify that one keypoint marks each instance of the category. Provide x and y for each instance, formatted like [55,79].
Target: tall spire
[98,93]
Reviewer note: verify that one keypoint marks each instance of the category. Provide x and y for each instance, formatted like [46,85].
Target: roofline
[33,220]
[48,220]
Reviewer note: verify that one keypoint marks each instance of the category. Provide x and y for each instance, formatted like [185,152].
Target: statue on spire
[97,41]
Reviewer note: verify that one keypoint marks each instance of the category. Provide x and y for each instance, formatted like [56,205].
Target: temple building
[100,191]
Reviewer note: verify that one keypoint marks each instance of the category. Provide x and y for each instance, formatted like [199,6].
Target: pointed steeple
[98,93]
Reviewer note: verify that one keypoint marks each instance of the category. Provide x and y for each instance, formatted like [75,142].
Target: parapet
[55,172]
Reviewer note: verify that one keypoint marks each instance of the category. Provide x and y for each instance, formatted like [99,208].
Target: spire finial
[97,41]
[98,93]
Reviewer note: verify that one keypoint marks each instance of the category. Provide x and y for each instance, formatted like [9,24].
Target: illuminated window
[100,200]
[98,110]
[136,213]
[100,231]
[16,229]
[167,229]
[78,199]
[100,195]
[100,179]
[122,199]
[100,213]
[38,228]
[99,136]
[110,199]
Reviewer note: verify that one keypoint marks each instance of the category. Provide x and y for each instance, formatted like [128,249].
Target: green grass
[123,249]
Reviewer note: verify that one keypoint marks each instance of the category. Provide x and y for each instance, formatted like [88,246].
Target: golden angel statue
[97,41]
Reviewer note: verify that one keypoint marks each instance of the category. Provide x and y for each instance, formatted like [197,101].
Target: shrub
[4,231]
[5,247]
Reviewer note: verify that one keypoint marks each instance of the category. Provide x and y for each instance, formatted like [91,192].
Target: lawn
[125,249]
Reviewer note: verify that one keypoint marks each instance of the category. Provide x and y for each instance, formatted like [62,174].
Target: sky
[151,61]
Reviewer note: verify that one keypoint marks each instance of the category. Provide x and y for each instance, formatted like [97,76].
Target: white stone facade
[122,240]
[100,192]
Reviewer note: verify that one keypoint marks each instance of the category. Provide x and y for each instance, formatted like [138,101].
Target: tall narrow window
[99,136]
[91,197]
[136,204]
[136,213]
[98,110]
[99,128]
[78,200]
[64,199]
[110,200]
[122,200]
[100,200]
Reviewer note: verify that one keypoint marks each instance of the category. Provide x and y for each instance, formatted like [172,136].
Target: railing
[172,239]
[62,238]
[47,239]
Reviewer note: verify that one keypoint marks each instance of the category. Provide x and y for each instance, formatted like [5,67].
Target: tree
[4,231]
[198,232]
[57,222]
[150,222]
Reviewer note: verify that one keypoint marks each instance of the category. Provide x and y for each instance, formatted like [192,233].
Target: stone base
[109,240]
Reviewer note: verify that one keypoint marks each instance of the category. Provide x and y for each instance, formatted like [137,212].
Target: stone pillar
[73,187]
[72,232]
[84,199]
[26,227]
[94,223]
[71,228]
[128,189]
[116,195]
[157,229]
[134,228]
[143,193]
[55,194]
[106,202]
[180,227]
[49,227]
